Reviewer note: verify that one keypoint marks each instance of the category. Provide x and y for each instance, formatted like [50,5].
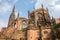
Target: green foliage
[57,26]
[57,29]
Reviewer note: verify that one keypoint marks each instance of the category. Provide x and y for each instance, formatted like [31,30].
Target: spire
[46,8]
[13,8]
[12,17]
[47,11]
[28,13]
[18,14]
[13,14]
[42,5]
[33,7]
[52,18]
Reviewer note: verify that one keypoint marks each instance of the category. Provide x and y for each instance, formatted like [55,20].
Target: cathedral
[36,27]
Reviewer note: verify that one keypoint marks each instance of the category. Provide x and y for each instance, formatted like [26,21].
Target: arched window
[45,32]
[32,19]
[39,16]
[15,25]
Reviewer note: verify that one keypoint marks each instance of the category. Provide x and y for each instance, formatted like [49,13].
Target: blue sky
[23,6]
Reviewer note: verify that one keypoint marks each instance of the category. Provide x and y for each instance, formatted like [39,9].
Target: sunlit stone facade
[36,27]
[57,20]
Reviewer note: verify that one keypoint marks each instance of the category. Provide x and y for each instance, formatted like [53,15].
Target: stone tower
[11,23]
[39,25]
[18,20]
[12,17]
[32,30]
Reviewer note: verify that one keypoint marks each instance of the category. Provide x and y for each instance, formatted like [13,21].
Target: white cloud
[37,5]
[46,3]
[6,7]
[2,23]
[51,4]
[0,1]
[15,1]
[56,11]
[57,7]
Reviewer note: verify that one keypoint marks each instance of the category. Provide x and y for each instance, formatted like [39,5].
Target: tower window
[32,19]
[45,32]
[15,25]
[23,25]
[39,16]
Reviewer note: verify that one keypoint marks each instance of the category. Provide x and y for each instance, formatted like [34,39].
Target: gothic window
[23,25]
[45,32]
[32,19]
[39,16]
[15,25]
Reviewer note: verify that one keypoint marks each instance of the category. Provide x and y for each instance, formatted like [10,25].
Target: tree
[57,30]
